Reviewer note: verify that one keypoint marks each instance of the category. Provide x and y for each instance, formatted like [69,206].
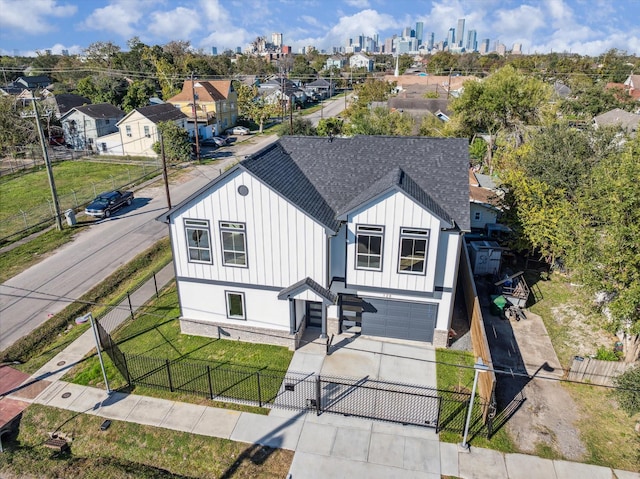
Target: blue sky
[588,27]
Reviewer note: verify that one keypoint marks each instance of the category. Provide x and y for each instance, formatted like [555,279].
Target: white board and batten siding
[394,210]
[284,245]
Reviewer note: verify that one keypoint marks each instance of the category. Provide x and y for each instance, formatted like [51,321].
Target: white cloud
[15,17]
[358,3]
[177,24]
[224,34]
[518,23]
[119,17]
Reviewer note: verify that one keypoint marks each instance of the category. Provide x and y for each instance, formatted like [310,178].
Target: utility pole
[449,84]
[45,154]
[165,177]
[194,112]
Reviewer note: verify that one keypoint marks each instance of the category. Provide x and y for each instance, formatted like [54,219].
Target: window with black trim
[198,241]
[234,244]
[369,241]
[413,250]
[235,305]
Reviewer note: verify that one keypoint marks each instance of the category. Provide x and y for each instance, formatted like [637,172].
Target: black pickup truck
[106,203]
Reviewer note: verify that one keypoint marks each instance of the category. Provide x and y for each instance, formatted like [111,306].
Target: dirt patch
[580,335]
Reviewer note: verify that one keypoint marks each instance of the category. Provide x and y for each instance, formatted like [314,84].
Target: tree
[380,121]
[138,95]
[102,89]
[299,126]
[330,126]
[15,130]
[102,54]
[628,394]
[302,69]
[177,147]
[504,102]
[252,107]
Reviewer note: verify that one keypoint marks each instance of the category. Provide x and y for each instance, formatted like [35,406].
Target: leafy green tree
[177,147]
[380,121]
[628,394]
[299,126]
[504,102]
[330,126]
[102,54]
[15,130]
[302,69]
[138,95]
[373,90]
[442,63]
[102,89]
[592,100]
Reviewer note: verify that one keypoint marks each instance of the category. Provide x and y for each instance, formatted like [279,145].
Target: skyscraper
[451,38]
[472,43]
[484,46]
[460,33]
[419,28]
[430,41]
[276,39]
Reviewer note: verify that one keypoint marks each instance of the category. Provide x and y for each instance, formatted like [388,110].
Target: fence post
[24,217]
[155,283]
[259,390]
[126,368]
[94,190]
[130,307]
[210,385]
[318,395]
[75,198]
[169,375]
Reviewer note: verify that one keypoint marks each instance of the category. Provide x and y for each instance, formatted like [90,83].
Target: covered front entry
[399,319]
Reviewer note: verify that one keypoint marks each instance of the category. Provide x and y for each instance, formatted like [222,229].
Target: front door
[314,314]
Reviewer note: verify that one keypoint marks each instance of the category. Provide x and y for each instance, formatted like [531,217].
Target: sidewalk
[328,445]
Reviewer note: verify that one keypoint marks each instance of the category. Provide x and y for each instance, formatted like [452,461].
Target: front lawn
[130,451]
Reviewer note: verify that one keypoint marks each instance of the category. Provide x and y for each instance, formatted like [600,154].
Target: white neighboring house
[317,232]
[360,60]
[138,130]
[83,126]
[484,201]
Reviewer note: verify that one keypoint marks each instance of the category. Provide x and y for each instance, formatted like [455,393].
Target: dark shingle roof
[324,177]
[308,283]
[67,101]
[161,112]
[101,110]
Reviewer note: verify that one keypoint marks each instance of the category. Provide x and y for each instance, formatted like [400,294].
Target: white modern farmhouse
[325,233]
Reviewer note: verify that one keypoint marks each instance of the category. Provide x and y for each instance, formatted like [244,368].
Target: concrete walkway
[328,445]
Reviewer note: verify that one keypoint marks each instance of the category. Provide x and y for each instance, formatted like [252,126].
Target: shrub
[606,354]
[628,392]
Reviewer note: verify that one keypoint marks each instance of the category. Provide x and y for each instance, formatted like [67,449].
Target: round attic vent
[243,190]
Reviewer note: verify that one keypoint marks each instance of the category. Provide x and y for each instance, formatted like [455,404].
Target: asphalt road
[29,299]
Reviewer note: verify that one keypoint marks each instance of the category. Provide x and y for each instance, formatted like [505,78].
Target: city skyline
[577,26]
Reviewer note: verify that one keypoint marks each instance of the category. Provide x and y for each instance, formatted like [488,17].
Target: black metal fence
[360,397]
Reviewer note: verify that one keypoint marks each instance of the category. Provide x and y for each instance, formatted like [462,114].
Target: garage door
[399,319]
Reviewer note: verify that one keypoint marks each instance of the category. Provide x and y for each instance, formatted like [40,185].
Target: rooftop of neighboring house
[67,101]
[329,178]
[99,111]
[443,81]
[617,116]
[161,112]
[205,91]
[482,194]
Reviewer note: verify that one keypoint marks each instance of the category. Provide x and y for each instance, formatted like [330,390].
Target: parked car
[220,141]
[209,142]
[106,203]
[238,130]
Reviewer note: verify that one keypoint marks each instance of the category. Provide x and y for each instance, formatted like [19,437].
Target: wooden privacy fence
[486,381]
[596,371]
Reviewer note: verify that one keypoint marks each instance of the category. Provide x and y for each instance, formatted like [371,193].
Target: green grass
[130,451]
[453,377]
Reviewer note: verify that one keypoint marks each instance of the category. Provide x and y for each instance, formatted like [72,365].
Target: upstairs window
[413,250]
[198,241]
[369,247]
[234,244]
[128,130]
[146,131]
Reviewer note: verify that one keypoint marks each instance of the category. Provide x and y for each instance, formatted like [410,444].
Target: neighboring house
[335,61]
[560,90]
[324,88]
[216,105]
[618,117]
[277,89]
[84,125]
[360,60]
[317,232]
[632,84]
[484,202]
[138,130]
[62,103]
[33,82]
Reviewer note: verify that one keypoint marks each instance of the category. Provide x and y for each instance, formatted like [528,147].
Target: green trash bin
[498,304]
